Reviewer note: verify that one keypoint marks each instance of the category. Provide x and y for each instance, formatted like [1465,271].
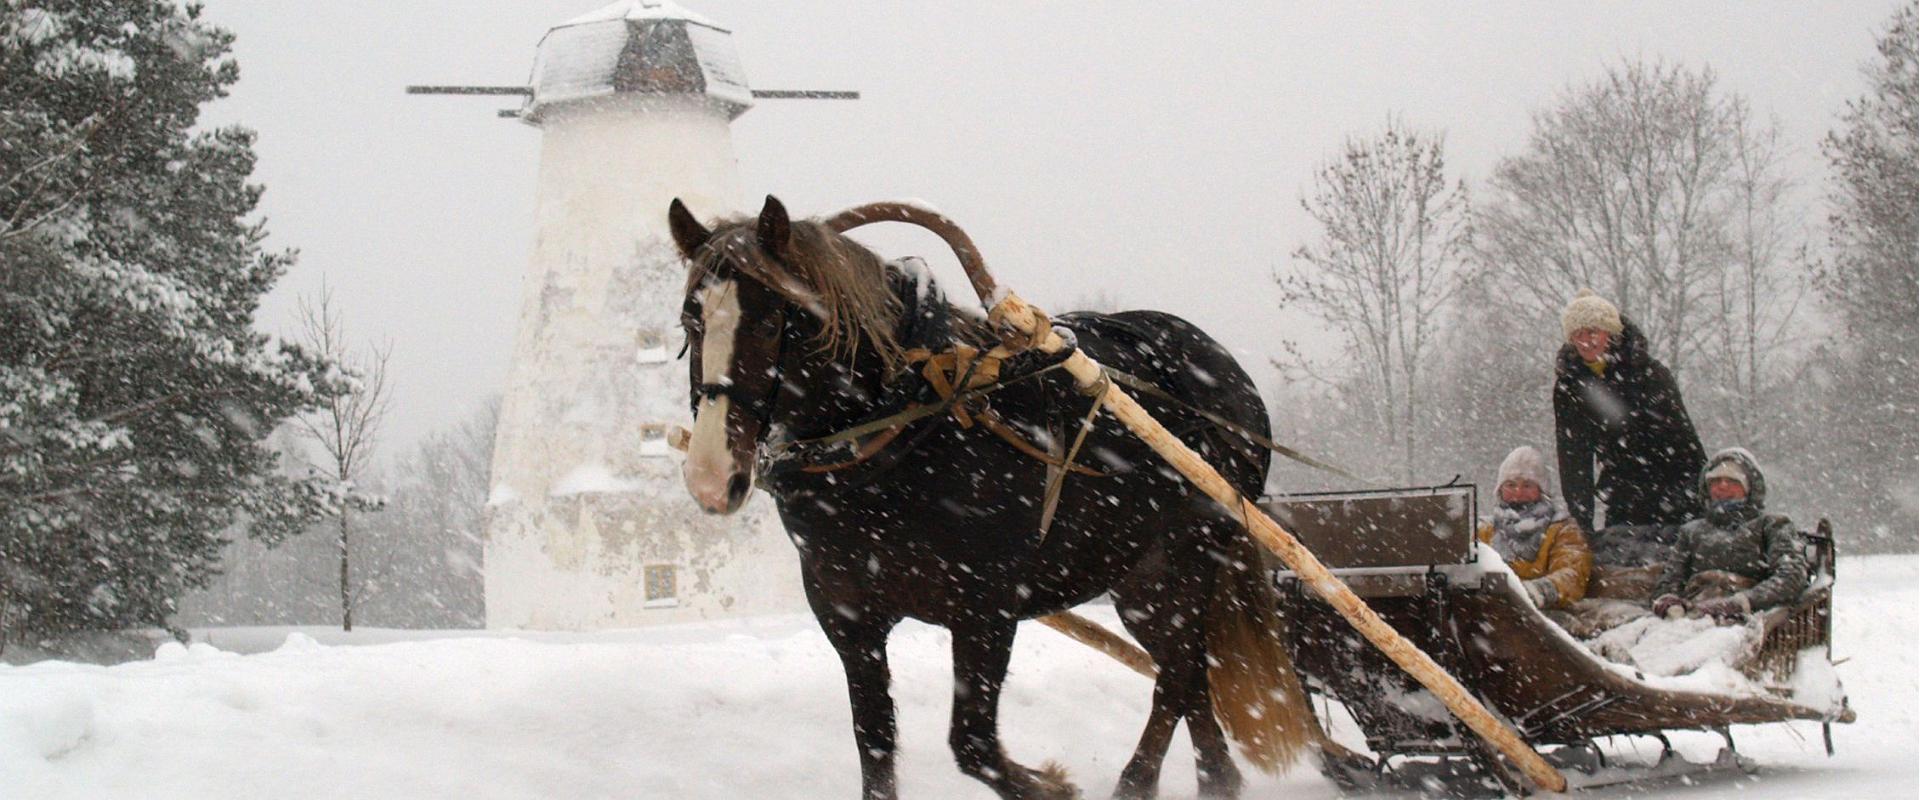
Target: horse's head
[784,319]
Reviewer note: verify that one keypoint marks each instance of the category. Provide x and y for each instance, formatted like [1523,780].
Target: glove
[1732,608]
[1542,592]
[1669,606]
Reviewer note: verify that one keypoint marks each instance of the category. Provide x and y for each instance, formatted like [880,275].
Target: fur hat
[1525,462]
[1589,310]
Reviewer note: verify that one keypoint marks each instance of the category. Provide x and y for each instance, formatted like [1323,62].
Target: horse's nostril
[737,488]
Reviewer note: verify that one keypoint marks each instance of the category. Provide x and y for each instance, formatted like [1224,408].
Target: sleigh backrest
[1420,527]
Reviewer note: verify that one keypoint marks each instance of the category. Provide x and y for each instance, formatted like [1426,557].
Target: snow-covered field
[725,710]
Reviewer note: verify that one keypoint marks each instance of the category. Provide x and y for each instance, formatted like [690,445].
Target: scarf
[1731,513]
[1519,530]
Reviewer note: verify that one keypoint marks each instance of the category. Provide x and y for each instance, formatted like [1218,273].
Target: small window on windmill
[652,348]
[653,440]
[662,586]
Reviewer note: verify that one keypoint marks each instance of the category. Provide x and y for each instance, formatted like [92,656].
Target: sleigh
[1411,554]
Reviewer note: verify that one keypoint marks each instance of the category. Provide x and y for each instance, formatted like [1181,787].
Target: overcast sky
[1150,151]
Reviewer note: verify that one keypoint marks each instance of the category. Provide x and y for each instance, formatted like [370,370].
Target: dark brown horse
[796,332]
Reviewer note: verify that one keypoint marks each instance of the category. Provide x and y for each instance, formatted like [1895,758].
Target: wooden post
[1315,575]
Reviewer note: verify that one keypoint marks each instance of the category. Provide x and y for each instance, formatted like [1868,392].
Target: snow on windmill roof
[651,47]
[642,9]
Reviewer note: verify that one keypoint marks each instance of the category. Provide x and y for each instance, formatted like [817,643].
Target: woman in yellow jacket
[1534,534]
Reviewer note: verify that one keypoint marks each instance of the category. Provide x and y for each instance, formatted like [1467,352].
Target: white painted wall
[580,505]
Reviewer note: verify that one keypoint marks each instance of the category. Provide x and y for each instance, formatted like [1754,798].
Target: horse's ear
[688,233]
[775,227]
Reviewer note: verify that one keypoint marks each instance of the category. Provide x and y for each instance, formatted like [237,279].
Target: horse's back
[1184,361]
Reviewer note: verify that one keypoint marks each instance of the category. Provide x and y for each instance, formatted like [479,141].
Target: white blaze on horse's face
[710,472]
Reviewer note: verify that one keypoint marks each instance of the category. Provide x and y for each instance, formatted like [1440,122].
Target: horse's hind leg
[980,656]
[1141,777]
[1166,616]
[1219,778]
[1181,693]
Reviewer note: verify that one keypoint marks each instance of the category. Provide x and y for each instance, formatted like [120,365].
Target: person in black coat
[1617,412]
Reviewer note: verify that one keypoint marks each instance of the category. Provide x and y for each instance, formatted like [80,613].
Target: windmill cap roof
[641,9]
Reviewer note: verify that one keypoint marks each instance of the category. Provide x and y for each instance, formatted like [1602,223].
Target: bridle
[760,408]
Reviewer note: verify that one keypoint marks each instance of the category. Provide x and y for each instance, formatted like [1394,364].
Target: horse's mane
[840,281]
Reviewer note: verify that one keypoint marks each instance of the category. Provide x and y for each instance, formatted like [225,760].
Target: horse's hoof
[1050,783]
[1222,784]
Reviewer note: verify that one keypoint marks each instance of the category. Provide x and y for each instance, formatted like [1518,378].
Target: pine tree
[134,393]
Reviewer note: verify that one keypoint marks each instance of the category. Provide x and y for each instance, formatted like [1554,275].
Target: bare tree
[347,428]
[1756,299]
[1388,259]
[1624,187]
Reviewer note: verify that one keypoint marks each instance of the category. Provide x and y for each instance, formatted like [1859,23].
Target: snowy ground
[726,710]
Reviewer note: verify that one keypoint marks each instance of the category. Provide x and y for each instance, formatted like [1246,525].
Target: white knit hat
[1728,468]
[1525,462]
[1589,310]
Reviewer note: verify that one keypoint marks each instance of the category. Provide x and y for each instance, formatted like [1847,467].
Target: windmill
[588,525]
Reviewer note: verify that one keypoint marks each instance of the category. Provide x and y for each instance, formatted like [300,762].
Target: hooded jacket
[1629,424]
[1742,539]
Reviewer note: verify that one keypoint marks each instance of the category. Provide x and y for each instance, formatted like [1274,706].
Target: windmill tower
[588,524]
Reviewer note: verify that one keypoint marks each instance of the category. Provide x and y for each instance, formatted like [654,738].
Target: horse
[795,331]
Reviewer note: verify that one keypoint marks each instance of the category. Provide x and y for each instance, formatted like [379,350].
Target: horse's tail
[1257,696]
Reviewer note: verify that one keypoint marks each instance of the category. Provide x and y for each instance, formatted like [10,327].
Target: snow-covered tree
[134,391]
[1388,259]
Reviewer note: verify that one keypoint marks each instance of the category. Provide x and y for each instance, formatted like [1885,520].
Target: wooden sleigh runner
[1411,554]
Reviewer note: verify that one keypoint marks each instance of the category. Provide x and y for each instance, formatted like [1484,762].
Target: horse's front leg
[980,655]
[861,642]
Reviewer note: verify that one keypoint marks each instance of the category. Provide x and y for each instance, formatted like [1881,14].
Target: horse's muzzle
[719,492]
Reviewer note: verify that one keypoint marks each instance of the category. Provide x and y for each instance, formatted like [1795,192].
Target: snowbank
[752,708]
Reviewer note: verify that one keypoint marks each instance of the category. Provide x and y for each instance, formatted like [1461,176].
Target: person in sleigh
[1534,535]
[1737,560]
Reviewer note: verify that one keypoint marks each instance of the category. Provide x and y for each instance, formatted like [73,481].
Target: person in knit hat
[1621,430]
[1736,560]
[1534,536]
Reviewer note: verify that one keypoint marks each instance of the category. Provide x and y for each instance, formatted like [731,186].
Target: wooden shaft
[1091,634]
[1316,575]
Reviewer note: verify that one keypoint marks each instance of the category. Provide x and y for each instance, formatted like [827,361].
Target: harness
[963,377]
